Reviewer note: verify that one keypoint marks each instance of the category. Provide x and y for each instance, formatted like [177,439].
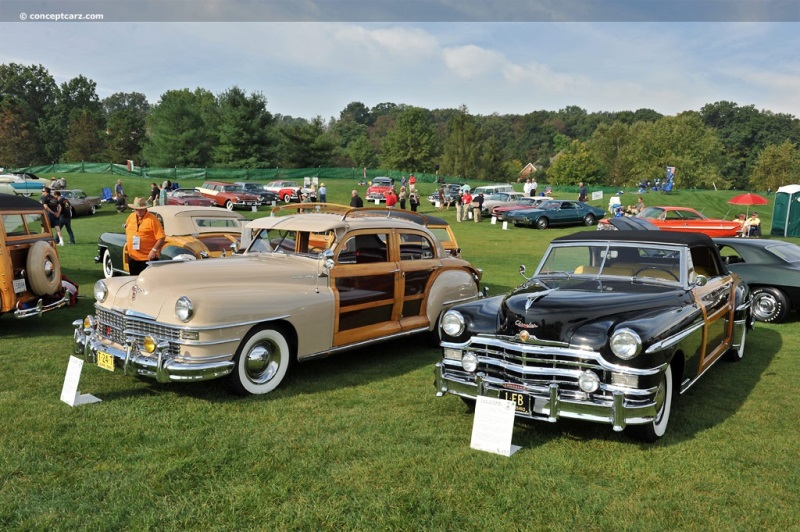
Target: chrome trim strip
[674,339]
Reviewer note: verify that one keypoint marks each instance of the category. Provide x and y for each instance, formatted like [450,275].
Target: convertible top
[14,202]
[654,237]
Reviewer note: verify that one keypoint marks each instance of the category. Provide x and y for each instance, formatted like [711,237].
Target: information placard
[493,426]
[70,393]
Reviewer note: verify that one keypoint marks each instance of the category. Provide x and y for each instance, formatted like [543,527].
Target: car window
[14,225]
[291,242]
[364,249]
[34,223]
[787,252]
[704,262]
[414,246]
[730,255]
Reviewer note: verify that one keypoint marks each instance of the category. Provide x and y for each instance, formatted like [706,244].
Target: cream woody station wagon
[308,285]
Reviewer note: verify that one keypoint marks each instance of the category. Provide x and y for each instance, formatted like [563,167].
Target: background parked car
[499,199]
[188,196]
[451,190]
[524,202]
[287,191]
[378,189]
[556,212]
[771,268]
[688,220]
[268,197]
[192,233]
[228,195]
[81,203]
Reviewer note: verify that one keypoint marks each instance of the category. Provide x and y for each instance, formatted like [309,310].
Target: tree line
[724,145]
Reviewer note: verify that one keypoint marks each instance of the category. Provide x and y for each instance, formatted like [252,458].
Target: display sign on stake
[494,220]
[493,425]
[505,225]
[70,393]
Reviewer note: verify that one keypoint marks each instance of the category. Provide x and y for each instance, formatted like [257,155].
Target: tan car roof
[321,222]
[179,219]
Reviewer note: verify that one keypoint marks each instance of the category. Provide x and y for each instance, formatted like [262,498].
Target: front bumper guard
[39,308]
[549,403]
[160,365]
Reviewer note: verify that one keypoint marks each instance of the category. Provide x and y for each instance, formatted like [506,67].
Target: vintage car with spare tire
[609,328]
[30,270]
[307,286]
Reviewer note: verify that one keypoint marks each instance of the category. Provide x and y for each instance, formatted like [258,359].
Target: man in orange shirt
[144,234]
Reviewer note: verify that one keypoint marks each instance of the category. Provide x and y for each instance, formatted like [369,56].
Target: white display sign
[494,220]
[597,195]
[70,393]
[493,426]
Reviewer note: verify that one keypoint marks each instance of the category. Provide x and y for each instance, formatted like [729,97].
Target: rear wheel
[261,363]
[770,304]
[655,429]
[542,223]
[92,209]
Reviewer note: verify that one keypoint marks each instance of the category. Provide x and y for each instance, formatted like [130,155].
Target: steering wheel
[659,268]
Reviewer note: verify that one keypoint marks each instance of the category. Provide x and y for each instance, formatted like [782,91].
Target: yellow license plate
[105,361]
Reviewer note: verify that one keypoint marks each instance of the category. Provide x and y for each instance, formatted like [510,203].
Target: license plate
[105,360]
[19,286]
[522,401]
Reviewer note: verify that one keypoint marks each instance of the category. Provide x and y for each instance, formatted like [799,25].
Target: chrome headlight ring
[626,344]
[100,291]
[453,323]
[184,309]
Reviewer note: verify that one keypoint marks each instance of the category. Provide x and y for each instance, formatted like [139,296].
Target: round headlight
[184,310]
[588,381]
[100,291]
[626,344]
[469,362]
[453,323]
[149,344]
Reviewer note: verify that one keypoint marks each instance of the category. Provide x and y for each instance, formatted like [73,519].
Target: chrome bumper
[159,365]
[549,403]
[40,308]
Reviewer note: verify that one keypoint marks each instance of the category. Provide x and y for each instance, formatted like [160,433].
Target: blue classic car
[609,327]
[556,212]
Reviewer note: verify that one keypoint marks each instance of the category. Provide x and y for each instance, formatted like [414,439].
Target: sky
[313,57]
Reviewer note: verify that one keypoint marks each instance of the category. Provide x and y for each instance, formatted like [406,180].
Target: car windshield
[292,242]
[181,193]
[216,224]
[635,261]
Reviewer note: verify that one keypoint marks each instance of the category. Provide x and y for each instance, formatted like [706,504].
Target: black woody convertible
[609,327]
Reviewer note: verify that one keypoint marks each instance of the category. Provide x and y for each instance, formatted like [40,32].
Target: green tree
[27,93]
[776,165]
[307,144]
[462,146]
[76,101]
[247,138]
[607,145]
[357,112]
[682,141]
[576,164]
[126,116]
[182,129]
[361,153]
[411,145]
[84,141]
[17,137]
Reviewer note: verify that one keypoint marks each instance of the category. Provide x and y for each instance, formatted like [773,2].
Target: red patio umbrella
[748,199]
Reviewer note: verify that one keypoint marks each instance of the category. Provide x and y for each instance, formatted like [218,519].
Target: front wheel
[588,220]
[261,362]
[108,265]
[229,205]
[542,223]
[770,305]
[656,428]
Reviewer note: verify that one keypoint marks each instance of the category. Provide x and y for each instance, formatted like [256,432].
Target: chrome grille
[116,327]
[532,365]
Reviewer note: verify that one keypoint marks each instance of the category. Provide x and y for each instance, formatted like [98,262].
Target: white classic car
[307,286]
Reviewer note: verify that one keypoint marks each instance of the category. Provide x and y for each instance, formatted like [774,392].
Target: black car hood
[558,310]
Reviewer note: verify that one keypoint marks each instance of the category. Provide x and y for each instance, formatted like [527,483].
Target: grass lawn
[359,441]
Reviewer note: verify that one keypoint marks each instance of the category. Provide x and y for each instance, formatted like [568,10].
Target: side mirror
[522,270]
[700,280]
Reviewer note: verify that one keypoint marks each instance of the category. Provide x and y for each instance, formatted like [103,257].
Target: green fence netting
[229,174]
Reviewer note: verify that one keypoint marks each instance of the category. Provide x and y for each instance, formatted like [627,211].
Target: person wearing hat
[145,236]
[753,226]
[323,193]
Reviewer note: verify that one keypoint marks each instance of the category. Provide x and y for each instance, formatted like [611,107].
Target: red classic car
[379,187]
[500,211]
[286,190]
[188,196]
[228,195]
[686,220]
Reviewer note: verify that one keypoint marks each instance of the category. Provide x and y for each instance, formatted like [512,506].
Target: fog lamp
[149,344]
[452,354]
[89,322]
[469,362]
[588,381]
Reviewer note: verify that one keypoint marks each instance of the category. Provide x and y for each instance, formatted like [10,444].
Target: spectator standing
[583,192]
[477,205]
[466,205]
[355,200]
[413,199]
[534,187]
[66,216]
[402,197]
[162,195]
[323,193]
[155,192]
[441,198]
[144,234]
[53,209]
[459,199]
[391,199]
[526,188]
[118,190]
